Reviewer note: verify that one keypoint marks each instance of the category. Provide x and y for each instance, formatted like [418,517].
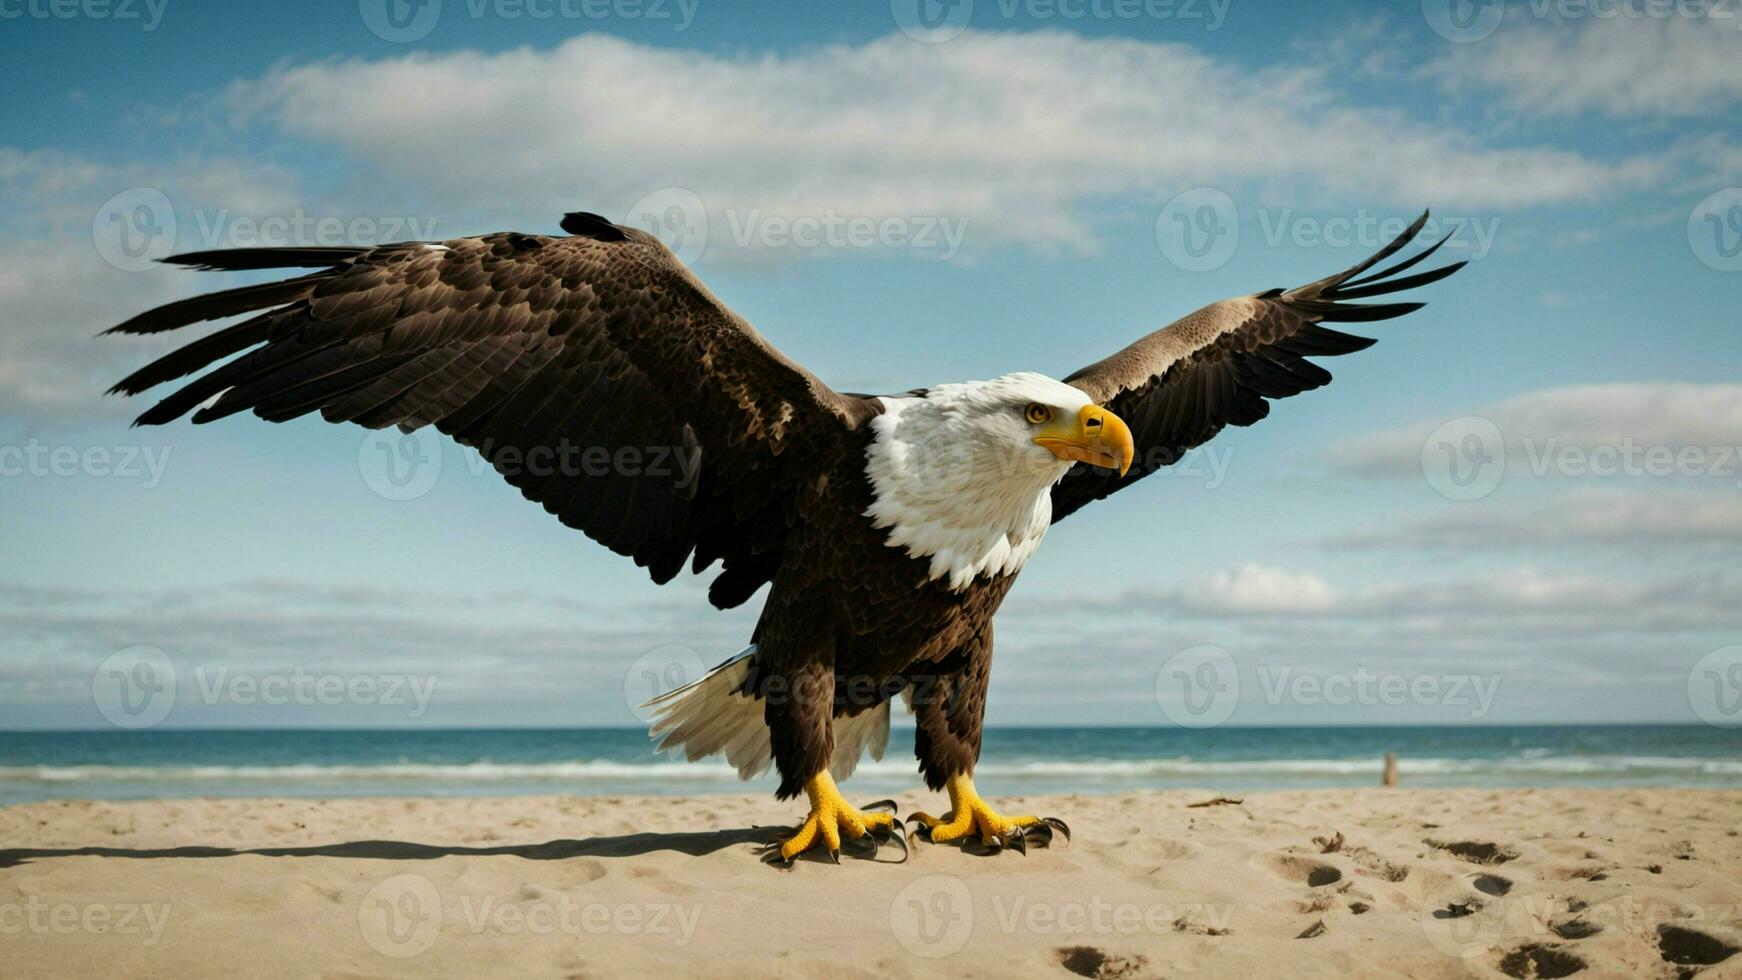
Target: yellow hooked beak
[1096,436]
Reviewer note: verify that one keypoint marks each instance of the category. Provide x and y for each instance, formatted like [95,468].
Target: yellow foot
[970,816]
[832,819]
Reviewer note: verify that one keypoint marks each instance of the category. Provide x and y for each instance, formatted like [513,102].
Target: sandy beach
[1418,883]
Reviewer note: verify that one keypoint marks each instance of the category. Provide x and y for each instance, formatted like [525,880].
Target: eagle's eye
[1036,413]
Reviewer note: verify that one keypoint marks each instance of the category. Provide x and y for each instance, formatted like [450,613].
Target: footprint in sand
[1303,870]
[1491,884]
[1475,852]
[1540,960]
[1575,928]
[1087,961]
[1691,947]
[1372,864]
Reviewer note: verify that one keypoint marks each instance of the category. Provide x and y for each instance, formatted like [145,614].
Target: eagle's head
[1015,428]
[963,473]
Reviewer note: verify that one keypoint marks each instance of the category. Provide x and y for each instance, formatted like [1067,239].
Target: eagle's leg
[832,819]
[971,815]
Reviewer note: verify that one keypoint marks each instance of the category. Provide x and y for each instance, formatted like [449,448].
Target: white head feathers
[957,477]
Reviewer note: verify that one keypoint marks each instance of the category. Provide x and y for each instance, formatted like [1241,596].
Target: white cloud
[570,658]
[76,261]
[1616,66]
[1013,132]
[1591,516]
[1257,588]
[1658,423]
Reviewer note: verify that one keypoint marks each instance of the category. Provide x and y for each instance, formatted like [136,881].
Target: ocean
[620,761]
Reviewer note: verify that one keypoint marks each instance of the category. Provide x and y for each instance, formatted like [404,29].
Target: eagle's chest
[962,511]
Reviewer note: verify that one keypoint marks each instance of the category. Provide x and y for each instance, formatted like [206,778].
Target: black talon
[980,846]
[924,833]
[1059,825]
[835,855]
[899,840]
[1017,842]
[882,805]
[771,857]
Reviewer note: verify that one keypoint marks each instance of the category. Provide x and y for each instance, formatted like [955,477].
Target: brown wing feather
[549,355]
[1181,385]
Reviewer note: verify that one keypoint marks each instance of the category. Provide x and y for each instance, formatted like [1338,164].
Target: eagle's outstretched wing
[1179,386]
[595,372]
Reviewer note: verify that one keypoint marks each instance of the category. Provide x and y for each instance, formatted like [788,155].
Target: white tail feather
[711,716]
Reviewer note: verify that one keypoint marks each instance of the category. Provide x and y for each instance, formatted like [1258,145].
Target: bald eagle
[887,528]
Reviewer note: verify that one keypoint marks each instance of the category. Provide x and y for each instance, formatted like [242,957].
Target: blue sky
[1590,162]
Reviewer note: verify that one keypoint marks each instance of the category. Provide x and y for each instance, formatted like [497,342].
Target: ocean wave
[1093,770]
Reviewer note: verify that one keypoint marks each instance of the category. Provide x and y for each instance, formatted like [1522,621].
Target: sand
[1417,883]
